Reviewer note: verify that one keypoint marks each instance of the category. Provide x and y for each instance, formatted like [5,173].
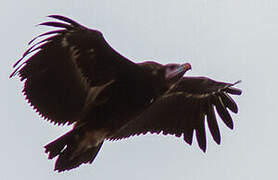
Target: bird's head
[173,72]
[165,76]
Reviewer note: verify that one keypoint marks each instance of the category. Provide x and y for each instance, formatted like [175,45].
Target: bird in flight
[75,77]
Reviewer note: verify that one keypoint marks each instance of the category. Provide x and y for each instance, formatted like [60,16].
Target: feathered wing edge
[48,72]
[39,45]
[64,66]
[183,110]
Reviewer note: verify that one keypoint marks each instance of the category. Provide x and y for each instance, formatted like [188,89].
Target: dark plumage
[75,76]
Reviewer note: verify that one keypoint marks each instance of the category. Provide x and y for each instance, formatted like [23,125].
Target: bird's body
[76,77]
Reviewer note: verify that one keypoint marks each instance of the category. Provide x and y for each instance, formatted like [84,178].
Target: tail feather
[55,148]
[66,161]
[66,147]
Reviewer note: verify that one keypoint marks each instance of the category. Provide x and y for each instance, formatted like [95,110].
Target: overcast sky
[226,40]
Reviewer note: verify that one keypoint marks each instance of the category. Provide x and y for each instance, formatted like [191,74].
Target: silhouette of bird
[75,77]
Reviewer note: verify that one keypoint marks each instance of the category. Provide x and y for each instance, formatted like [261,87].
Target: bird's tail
[70,155]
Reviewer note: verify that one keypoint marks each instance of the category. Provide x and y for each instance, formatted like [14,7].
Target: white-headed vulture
[74,76]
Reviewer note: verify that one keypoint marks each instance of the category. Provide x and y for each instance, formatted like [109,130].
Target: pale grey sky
[226,40]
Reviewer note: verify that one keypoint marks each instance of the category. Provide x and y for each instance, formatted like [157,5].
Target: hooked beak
[183,68]
[179,71]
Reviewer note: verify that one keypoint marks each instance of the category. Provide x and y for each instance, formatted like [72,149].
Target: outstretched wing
[59,76]
[183,109]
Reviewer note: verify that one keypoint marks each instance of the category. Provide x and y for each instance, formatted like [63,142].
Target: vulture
[73,76]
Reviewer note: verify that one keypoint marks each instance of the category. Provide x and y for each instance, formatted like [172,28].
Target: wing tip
[237,82]
[217,140]
[65,19]
[233,90]
[203,148]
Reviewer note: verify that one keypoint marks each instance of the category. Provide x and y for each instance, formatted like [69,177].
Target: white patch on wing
[65,42]
[95,91]
[189,95]
[91,50]
[74,53]
[91,53]
[74,56]
[154,72]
